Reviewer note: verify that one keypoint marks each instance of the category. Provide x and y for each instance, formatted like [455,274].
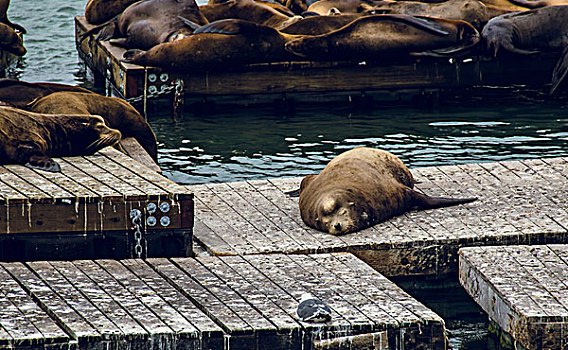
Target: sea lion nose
[337,226]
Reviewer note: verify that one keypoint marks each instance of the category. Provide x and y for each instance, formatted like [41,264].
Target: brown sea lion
[325,7]
[221,44]
[11,41]
[148,23]
[101,11]
[472,11]
[20,93]
[117,113]
[31,139]
[318,25]
[4,4]
[378,36]
[529,32]
[360,188]
[533,4]
[248,10]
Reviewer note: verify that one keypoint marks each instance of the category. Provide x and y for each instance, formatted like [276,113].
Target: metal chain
[136,218]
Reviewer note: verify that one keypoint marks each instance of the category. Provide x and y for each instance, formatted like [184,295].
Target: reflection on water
[259,143]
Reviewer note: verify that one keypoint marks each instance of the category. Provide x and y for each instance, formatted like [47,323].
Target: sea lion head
[338,213]
[89,134]
[496,33]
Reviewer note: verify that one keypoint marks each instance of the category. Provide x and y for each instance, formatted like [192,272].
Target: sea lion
[11,41]
[378,36]
[221,44]
[20,93]
[4,4]
[325,7]
[472,11]
[529,32]
[148,23]
[117,113]
[318,25]
[101,11]
[31,139]
[533,4]
[360,188]
[248,10]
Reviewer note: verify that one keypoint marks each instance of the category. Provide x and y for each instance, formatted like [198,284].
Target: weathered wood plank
[73,170]
[26,189]
[138,153]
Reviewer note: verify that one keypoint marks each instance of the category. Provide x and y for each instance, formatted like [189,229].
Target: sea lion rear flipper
[293,193]
[194,26]
[422,201]
[130,55]
[560,71]
[229,26]
[43,162]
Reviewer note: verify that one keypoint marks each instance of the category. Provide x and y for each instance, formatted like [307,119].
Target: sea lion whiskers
[108,140]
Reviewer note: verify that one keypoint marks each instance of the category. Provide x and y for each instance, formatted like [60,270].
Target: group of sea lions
[39,121]
[180,35]
[10,33]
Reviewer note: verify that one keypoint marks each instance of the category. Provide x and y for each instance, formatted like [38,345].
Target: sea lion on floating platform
[271,3]
[378,36]
[248,10]
[20,94]
[101,11]
[4,4]
[318,25]
[117,113]
[31,139]
[148,23]
[327,7]
[221,44]
[360,188]
[472,11]
[529,32]
[11,41]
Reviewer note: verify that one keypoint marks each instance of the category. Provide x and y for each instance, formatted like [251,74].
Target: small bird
[311,309]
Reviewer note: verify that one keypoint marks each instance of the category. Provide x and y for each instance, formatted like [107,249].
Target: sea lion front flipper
[229,26]
[43,162]
[194,26]
[130,55]
[560,71]
[120,42]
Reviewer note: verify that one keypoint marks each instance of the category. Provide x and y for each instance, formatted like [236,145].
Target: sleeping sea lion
[20,93]
[325,7]
[31,139]
[11,41]
[533,4]
[117,113]
[4,4]
[360,188]
[248,10]
[221,44]
[318,25]
[148,23]
[101,11]
[377,36]
[472,11]
[529,32]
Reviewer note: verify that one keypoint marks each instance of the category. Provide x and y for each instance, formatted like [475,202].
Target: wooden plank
[77,189]
[523,289]
[32,177]
[27,190]
[138,153]
[22,321]
[70,168]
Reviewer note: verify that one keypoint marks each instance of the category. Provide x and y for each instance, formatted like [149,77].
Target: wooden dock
[207,303]
[523,289]
[88,211]
[295,82]
[519,202]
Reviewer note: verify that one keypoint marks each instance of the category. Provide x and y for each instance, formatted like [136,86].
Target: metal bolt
[151,208]
[165,221]
[165,207]
[151,221]
[152,78]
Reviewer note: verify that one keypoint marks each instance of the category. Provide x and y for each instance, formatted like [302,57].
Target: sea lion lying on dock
[101,11]
[221,44]
[31,139]
[318,25]
[360,188]
[327,7]
[247,10]
[472,11]
[374,37]
[148,23]
[117,113]
[20,94]
[529,32]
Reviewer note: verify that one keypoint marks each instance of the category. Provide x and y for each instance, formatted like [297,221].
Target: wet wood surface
[91,193]
[231,302]
[518,202]
[523,289]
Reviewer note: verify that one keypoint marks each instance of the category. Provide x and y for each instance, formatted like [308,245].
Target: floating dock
[208,303]
[523,289]
[102,206]
[406,80]
[519,202]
